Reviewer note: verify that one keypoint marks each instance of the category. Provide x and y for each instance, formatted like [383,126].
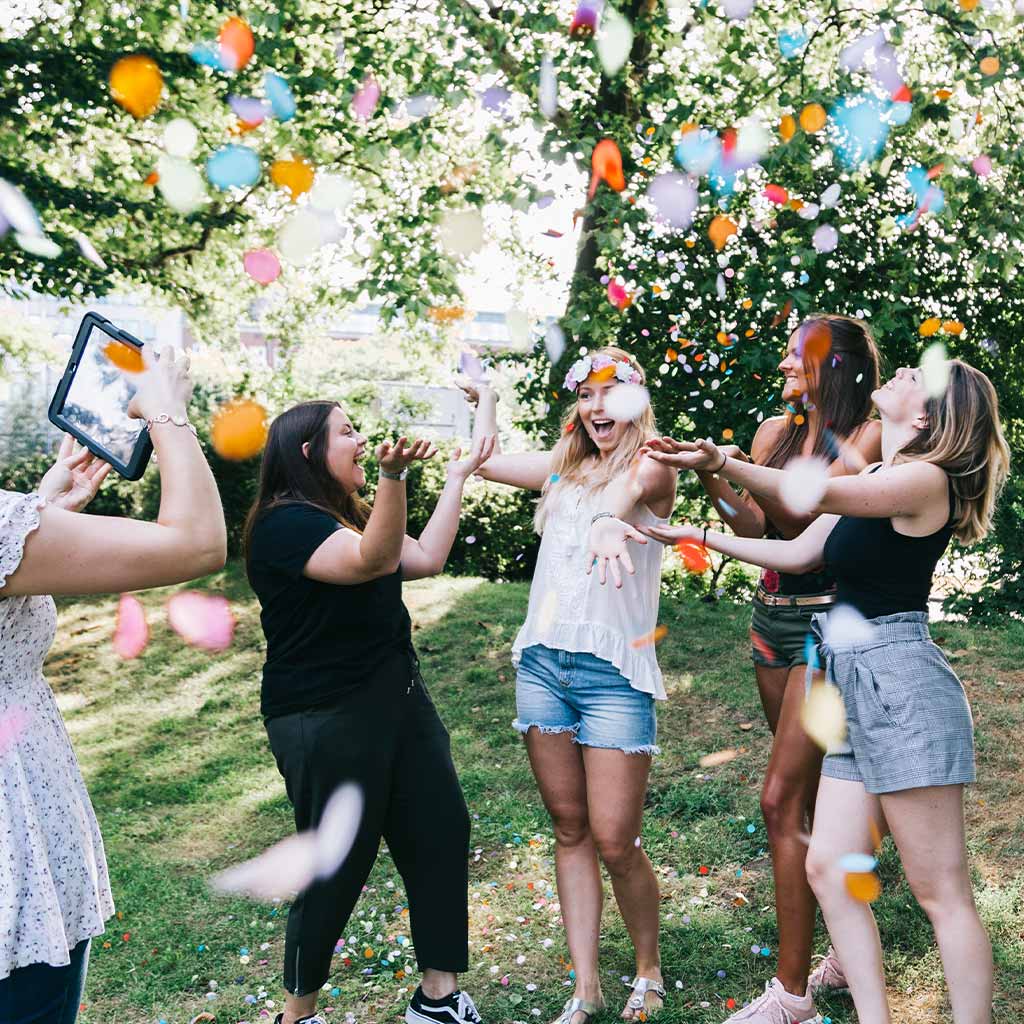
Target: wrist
[389,474]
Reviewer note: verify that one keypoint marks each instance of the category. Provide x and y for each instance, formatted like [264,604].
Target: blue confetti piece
[233,166]
[791,42]
[751,828]
[899,113]
[555,478]
[282,103]
[811,651]
[860,128]
[765,951]
[208,55]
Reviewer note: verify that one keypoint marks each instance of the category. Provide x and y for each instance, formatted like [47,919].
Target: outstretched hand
[608,539]
[461,469]
[396,457]
[73,480]
[703,455]
[673,534]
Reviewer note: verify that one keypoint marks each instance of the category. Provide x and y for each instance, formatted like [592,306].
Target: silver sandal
[637,1002]
[574,1006]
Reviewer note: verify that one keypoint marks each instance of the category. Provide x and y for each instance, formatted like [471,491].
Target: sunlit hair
[964,437]
[575,459]
[842,401]
[289,477]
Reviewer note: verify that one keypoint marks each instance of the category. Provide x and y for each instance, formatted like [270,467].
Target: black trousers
[387,737]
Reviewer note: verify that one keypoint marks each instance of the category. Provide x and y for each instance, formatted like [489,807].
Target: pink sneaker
[827,976]
[777,1006]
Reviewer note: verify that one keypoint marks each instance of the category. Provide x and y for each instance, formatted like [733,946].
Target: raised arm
[348,557]
[802,554]
[72,553]
[529,470]
[427,556]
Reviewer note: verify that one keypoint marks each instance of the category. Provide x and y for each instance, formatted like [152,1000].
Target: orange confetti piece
[239,430]
[294,175]
[236,43]
[762,646]
[727,434]
[815,343]
[747,303]
[152,178]
[655,636]
[929,327]
[694,555]
[876,835]
[989,65]
[124,357]
[812,118]
[606,166]
[864,886]
[671,355]
[718,758]
[600,376]
[721,229]
[954,327]
[136,85]
[943,94]
[787,127]
[783,313]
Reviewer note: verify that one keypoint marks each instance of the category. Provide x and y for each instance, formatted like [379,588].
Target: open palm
[73,480]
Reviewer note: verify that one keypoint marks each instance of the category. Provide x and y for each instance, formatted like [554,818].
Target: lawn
[179,769]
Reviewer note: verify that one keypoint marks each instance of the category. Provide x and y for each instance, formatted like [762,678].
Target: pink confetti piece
[365,101]
[132,631]
[202,620]
[262,265]
[12,725]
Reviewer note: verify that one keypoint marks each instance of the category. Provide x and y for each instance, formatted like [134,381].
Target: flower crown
[620,369]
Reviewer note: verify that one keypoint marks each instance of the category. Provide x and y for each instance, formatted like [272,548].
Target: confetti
[845,626]
[929,327]
[233,166]
[136,84]
[813,118]
[236,44]
[250,111]
[935,369]
[554,342]
[470,365]
[865,887]
[180,184]
[694,556]
[584,19]
[626,403]
[239,430]
[88,250]
[720,757]
[721,230]
[300,236]
[462,232]
[648,639]
[365,101]
[860,130]
[825,239]
[803,485]
[282,103]
[16,210]
[262,265]
[294,175]
[737,10]
[823,716]
[293,864]
[180,137]
[202,620]
[331,192]
[547,93]
[674,198]
[614,39]
[125,357]
[606,166]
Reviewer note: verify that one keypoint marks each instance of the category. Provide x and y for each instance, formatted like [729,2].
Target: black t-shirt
[322,638]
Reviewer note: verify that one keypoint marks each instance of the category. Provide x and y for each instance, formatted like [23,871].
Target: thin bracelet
[388,475]
[602,515]
[725,459]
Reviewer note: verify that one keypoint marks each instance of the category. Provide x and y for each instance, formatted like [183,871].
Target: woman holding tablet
[54,890]
[343,698]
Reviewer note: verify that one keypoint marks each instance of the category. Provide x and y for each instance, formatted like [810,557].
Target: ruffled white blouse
[54,888]
[571,611]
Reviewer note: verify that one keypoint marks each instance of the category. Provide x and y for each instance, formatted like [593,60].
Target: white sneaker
[828,976]
[458,1008]
[777,1006]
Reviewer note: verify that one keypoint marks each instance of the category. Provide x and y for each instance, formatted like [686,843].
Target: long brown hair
[575,457]
[841,362]
[965,438]
[288,477]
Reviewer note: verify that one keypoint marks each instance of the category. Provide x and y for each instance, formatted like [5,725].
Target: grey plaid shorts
[907,715]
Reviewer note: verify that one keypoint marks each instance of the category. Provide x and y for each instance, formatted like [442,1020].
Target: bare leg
[296,1007]
[928,829]
[842,825]
[438,984]
[557,764]
[787,803]
[616,787]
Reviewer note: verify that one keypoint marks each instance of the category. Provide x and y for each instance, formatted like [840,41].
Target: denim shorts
[573,691]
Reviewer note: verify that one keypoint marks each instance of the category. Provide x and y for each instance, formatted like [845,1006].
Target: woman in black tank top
[829,371]
[909,749]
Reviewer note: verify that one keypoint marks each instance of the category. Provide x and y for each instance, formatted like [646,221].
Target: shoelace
[467,1009]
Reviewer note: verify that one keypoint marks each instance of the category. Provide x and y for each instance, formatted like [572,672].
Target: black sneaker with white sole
[457,1008]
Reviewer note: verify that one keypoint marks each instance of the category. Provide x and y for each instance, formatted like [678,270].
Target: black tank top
[879,571]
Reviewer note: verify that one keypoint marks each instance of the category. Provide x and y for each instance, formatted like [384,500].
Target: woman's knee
[823,873]
[618,853]
[570,824]
[784,806]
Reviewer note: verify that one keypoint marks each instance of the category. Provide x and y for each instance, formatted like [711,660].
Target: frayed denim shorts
[576,692]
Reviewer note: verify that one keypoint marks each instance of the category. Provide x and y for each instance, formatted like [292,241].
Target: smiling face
[903,399]
[601,427]
[792,368]
[344,451]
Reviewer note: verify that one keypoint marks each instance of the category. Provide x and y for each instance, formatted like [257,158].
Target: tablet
[91,400]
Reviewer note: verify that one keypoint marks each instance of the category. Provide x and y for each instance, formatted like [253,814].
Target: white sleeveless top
[571,611]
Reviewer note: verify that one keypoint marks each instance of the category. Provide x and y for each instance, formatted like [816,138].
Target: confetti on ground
[720,757]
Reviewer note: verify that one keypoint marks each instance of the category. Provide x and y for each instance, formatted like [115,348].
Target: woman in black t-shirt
[343,698]
[910,744]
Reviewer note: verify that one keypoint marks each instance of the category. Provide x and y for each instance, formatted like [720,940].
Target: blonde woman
[911,737]
[585,692]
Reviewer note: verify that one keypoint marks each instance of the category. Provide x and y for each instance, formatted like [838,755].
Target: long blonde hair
[575,459]
[965,438]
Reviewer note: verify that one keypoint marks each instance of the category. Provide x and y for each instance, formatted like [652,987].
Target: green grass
[179,768]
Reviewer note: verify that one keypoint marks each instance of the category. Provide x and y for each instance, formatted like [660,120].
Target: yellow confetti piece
[989,65]
[239,430]
[655,636]
[929,327]
[864,886]
[812,118]
[136,84]
[787,127]
[823,715]
[721,229]
[953,327]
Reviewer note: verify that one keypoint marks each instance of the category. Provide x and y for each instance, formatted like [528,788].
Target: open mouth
[602,428]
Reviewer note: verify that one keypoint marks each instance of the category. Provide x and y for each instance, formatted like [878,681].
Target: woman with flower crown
[588,678]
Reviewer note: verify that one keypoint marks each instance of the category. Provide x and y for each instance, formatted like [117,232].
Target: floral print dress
[54,888]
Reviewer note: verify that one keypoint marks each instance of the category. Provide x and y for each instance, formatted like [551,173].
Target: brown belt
[794,600]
